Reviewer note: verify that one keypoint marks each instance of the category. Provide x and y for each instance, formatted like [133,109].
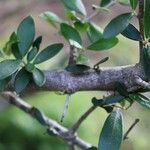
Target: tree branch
[103,80]
[52,125]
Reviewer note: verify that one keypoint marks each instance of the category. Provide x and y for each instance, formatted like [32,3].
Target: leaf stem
[82,118]
[129,130]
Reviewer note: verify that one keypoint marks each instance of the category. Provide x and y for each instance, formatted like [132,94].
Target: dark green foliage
[121,88]
[147,18]
[146,62]
[94,32]
[104,3]
[32,54]
[70,34]
[75,5]
[103,44]
[81,26]
[8,46]
[4,83]
[8,67]
[48,53]
[25,34]
[117,25]
[141,99]
[38,77]
[21,80]
[133,3]
[112,132]
[51,18]
[77,68]
[132,33]
[37,42]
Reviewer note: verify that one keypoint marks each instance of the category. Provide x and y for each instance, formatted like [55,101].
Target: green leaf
[117,25]
[15,51]
[8,46]
[132,33]
[37,42]
[4,83]
[92,148]
[75,5]
[147,19]
[51,18]
[95,32]
[121,88]
[8,67]
[29,67]
[103,44]
[146,62]
[141,99]
[124,2]
[105,2]
[32,54]
[77,68]
[133,3]
[38,77]
[70,34]
[81,27]
[21,80]
[25,34]
[48,53]
[113,99]
[112,132]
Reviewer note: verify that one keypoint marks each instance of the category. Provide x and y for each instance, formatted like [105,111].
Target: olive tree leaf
[38,77]
[104,3]
[147,19]
[15,51]
[51,18]
[77,68]
[8,46]
[75,5]
[71,34]
[21,80]
[103,44]
[25,34]
[112,132]
[94,32]
[81,26]
[141,99]
[37,42]
[146,61]
[8,67]
[4,83]
[133,3]
[124,2]
[32,54]
[48,53]
[132,33]
[117,25]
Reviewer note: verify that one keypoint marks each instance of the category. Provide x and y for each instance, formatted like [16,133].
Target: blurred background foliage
[18,131]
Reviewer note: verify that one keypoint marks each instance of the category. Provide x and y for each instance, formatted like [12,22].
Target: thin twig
[72,57]
[129,130]
[66,105]
[72,147]
[141,26]
[82,118]
[52,125]
[97,11]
